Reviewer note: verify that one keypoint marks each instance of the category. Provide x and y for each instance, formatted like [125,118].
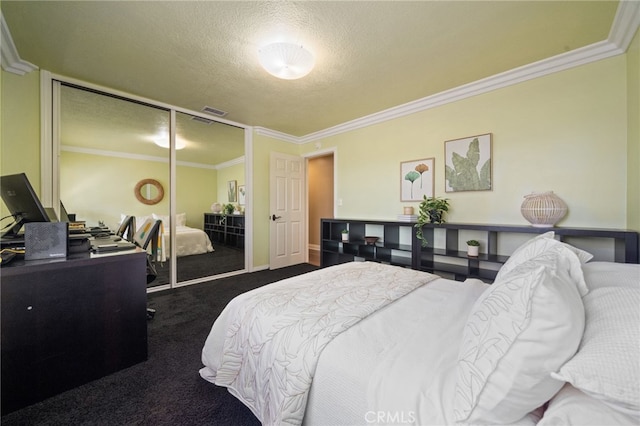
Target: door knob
[274,217]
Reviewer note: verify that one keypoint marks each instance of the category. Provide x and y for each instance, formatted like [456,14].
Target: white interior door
[287,230]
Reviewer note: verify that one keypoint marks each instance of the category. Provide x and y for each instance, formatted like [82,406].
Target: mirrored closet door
[115,161]
[209,237]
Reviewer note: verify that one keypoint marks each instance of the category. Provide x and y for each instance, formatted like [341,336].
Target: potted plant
[473,248]
[431,210]
[229,208]
[345,235]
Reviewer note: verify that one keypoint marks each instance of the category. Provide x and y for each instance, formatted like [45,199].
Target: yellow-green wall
[90,188]
[195,189]
[235,172]
[20,127]
[633,157]
[564,132]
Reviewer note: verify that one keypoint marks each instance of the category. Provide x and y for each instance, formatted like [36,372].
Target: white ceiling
[370,55]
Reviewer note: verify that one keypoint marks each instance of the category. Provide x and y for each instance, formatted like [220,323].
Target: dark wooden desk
[67,322]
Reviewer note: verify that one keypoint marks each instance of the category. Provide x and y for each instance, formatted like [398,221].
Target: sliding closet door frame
[50,151]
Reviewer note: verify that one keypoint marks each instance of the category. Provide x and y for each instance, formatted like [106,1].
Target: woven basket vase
[543,209]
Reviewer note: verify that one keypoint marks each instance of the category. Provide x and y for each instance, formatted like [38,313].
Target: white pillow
[572,407]
[522,328]
[539,245]
[139,220]
[607,365]
[181,219]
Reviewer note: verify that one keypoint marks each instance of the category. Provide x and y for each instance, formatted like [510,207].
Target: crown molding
[11,61]
[234,162]
[116,154]
[277,135]
[624,27]
[625,24]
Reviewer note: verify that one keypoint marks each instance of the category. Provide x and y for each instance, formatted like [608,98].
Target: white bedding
[380,367]
[266,353]
[398,364]
[190,241]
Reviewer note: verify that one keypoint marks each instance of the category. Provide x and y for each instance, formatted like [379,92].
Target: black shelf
[227,229]
[398,245]
[388,249]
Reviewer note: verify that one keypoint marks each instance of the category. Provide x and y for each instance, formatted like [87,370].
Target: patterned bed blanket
[265,345]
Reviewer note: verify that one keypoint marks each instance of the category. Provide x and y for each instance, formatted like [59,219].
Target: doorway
[320,190]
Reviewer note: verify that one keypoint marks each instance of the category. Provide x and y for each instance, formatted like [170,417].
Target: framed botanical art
[468,164]
[232,191]
[241,195]
[416,179]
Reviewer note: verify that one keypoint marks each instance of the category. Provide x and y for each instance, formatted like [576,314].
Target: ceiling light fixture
[286,60]
[164,143]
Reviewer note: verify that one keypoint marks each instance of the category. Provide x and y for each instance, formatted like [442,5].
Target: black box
[45,240]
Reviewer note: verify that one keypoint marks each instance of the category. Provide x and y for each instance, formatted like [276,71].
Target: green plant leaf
[473,153]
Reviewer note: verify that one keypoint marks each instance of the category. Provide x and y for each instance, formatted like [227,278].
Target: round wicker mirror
[149,191]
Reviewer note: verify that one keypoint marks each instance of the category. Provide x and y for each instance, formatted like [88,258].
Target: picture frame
[242,195]
[468,164]
[417,179]
[232,191]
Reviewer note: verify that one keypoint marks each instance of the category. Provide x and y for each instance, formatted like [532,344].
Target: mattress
[190,241]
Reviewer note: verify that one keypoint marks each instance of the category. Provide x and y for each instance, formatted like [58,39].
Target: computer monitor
[64,216]
[23,203]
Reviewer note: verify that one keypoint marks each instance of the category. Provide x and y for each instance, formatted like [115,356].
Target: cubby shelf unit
[398,245]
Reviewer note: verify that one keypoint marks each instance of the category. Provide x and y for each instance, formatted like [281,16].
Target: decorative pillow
[607,365]
[572,407]
[539,245]
[521,329]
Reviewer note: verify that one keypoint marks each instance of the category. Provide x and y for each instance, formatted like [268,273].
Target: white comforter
[189,241]
[266,353]
[395,366]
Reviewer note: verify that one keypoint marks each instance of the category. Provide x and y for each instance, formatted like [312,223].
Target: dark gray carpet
[223,259]
[166,389]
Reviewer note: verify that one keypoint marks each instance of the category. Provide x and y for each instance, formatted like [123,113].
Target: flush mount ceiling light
[164,143]
[286,60]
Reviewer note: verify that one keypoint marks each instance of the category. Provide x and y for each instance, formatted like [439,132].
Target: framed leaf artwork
[232,191]
[468,164]
[416,179]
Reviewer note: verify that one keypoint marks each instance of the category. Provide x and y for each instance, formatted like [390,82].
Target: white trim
[277,135]
[173,198]
[248,206]
[11,61]
[314,154]
[117,154]
[625,24]
[48,177]
[234,162]
[320,153]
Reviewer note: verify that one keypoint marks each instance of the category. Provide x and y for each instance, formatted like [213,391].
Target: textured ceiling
[370,56]
[93,121]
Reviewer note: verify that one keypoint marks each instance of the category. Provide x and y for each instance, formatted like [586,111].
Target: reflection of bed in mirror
[189,240]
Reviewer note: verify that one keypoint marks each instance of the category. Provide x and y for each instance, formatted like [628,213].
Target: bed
[554,340]
[189,240]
